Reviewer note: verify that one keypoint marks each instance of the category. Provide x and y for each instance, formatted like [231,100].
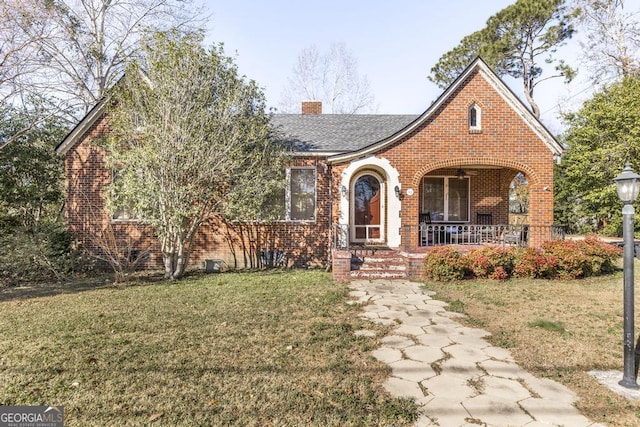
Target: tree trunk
[534,107]
[168,265]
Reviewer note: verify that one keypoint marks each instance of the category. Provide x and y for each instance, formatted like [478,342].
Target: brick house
[360,187]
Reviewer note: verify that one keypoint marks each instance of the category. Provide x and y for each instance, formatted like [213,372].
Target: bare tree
[80,46]
[331,77]
[612,41]
[18,53]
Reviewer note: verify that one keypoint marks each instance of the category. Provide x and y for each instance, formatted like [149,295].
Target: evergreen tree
[602,137]
[514,42]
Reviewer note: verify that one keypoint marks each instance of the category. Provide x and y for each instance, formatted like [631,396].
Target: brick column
[341,266]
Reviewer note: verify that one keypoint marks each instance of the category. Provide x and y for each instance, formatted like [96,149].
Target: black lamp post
[628,185]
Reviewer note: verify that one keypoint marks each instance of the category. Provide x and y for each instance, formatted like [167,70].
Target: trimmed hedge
[558,259]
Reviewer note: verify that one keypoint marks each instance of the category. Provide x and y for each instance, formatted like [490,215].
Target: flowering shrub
[601,255]
[491,261]
[444,264]
[533,263]
[558,259]
[571,259]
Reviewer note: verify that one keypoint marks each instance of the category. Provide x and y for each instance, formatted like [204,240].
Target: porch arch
[392,179]
[532,176]
[540,185]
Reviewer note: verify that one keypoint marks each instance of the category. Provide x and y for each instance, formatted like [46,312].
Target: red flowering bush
[601,255]
[558,259]
[444,264]
[486,261]
[572,261]
[533,263]
[499,273]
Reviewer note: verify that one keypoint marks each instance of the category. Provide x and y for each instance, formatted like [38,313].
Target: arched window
[475,117]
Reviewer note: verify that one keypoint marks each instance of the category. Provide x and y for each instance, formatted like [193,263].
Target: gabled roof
[342,137]
[478,65]
[82,127]
[337,133]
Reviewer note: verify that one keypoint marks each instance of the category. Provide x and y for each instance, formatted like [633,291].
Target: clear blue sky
[396,42]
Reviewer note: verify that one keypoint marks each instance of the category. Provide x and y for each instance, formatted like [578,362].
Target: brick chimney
[311,107]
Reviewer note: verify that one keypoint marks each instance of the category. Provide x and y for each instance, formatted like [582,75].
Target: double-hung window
[298,198]
[446,198]
[119,210]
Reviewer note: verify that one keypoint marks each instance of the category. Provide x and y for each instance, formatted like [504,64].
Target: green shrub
[444,264]
[572,261]
[601,255]
[40,256]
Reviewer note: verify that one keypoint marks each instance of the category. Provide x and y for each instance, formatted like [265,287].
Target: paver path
[457,376]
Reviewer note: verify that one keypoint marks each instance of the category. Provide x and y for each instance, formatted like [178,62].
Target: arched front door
[367,208]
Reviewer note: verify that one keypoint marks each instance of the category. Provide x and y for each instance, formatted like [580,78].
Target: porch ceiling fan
[461,173]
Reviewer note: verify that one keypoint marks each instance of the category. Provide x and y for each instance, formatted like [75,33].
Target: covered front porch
[464,201]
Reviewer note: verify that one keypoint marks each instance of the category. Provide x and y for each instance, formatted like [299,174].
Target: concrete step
[359,274]
[379,266]
[372,259]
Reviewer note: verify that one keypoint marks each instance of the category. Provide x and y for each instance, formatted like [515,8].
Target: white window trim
[287,196]
[475,107]
[445,212]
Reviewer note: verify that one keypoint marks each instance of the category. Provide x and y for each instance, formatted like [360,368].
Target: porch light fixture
[344,190]
[396,189]
[628,185]
[460,173]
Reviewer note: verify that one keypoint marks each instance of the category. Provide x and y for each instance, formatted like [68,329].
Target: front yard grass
[252,349]
[556,329]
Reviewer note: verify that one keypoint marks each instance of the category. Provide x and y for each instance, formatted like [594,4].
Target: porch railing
[341,237]
[414,236]
[469,234]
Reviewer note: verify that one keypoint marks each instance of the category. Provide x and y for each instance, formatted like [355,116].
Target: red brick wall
[304,243]
[86,176]
[311,107]
[504,146]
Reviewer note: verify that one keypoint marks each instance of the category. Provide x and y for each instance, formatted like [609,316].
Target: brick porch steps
[377,264]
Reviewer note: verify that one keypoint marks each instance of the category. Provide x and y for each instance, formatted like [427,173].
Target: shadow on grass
[47,289]
[106,281]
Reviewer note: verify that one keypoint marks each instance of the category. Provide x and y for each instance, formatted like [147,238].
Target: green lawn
[556,329]
[252,349]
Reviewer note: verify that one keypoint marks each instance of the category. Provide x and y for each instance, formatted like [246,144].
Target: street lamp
[628,185]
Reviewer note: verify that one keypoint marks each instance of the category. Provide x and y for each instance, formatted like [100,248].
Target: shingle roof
[337,133]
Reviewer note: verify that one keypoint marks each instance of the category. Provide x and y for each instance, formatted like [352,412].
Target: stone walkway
[452,372]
